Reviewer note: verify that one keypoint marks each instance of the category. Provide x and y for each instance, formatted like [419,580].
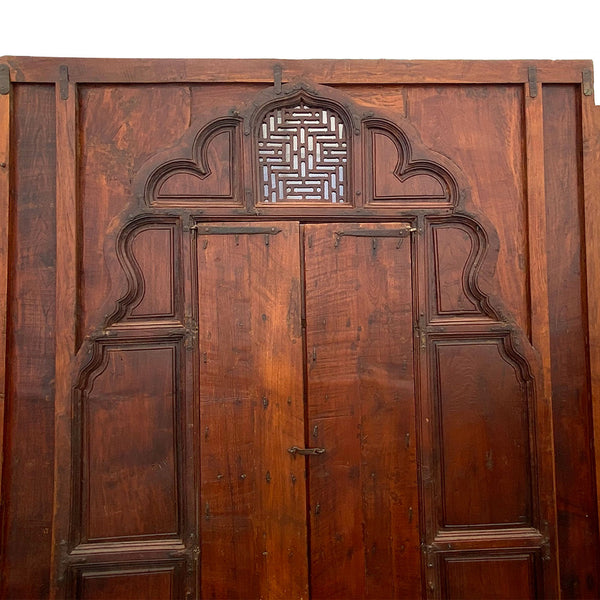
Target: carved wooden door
[360,475]
[304,343]
[303,325]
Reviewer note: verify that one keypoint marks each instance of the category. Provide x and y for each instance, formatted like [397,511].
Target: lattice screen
[303,155]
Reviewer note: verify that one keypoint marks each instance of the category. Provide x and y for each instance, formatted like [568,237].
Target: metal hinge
[277,76]
[532,78]
[191,333]
[63,82]
[4,80]
[421,332]
[545,548]
[400,233]
[429,556]
[588,84]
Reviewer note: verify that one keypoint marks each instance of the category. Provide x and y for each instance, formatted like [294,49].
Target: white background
[435,29]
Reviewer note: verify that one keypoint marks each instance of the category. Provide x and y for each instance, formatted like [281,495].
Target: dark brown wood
[253,490]
[4,241]
[385,286]
[27,502]
[66,310]
[539,318]
[361,409]
[577,516]
[321,71]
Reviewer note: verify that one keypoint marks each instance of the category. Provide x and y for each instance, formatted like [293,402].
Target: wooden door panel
[501,577]
[252,490]
[484,443]
[29,412]
[130,487]
[361,409]
[143,582]
[167,369]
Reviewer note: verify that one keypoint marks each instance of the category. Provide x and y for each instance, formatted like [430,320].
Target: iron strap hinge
[63,82]
[4,79]
[532,79]
[588,84]
[228,230]
[306,451]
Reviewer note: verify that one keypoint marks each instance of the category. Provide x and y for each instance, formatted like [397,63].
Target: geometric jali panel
[303,155]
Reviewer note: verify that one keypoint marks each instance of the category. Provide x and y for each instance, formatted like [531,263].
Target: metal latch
[306,451]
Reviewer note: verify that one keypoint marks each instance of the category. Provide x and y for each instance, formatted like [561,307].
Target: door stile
[428,459]
[591,186]
[364,491]
[66,303]
[5,117]
[191,428]
[253,503]
[308,439]
[542,438]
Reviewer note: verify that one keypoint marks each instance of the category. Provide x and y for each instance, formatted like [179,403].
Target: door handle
[306,451]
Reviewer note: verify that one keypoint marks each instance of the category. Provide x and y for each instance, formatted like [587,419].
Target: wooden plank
[29,419]
[252,492]
[81,70]
[591,192]
[66,302]
[5,102]
[361,409]
[540,326]
[573,421]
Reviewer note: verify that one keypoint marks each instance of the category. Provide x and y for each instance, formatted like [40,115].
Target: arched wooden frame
[214,174]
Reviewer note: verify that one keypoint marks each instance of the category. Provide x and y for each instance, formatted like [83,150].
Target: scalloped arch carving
[211,174]
[397,179]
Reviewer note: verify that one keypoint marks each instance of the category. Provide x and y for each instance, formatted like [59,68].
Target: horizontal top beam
[330,71]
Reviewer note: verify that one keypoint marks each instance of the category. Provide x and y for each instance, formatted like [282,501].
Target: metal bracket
[277,75]
[227,230]
[63,82]
[403,232]
[306,451]
[533,83]
[4,79]
[588,84]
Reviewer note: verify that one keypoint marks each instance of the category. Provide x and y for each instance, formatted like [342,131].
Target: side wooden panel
[361,409]
[130,421]
[5,169]
[120,127]
[481,129]
[252,490]
[591,185]
[484,444]
[155,252]
[494,577]
[29,445]
[571,392]
[136,582]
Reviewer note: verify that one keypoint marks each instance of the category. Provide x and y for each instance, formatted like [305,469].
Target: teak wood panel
[364,509]
[481,294]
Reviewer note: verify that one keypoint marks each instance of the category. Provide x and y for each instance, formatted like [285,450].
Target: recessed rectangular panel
[252,490]
[452,247]
[153,249]
[133,583]
[130,462]
[508,577]
[482,403]
[361,410]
